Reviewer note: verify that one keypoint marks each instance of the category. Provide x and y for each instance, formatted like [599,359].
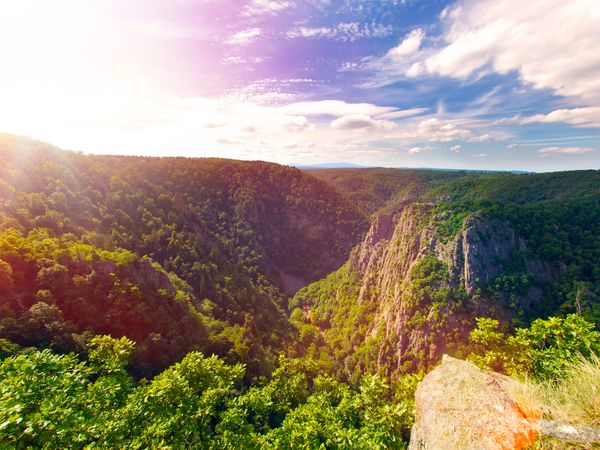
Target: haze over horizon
[494,85]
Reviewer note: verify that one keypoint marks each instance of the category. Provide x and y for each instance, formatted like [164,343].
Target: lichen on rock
[459,406]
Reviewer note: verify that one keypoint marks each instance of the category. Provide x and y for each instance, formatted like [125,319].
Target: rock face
[472,258]
[459,406]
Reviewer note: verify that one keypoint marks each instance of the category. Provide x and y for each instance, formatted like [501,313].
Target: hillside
[387,190]
[510,247]
[212,303]
[235,235]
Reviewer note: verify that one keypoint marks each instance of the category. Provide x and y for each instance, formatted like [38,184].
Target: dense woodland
[379,189]
[205,244]
[151,302]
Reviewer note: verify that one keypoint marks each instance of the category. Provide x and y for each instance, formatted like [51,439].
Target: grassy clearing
[574,399]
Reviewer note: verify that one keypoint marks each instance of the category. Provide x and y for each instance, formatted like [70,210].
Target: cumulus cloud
[360,122]
[345,31]
[564,150]
[479,155]
[481,138]
[436,130]
[551,44]
[244,37]
[296,123]
[440,129]
[455,148]
[415,150]
[511,146]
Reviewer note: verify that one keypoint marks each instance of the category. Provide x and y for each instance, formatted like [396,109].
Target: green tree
[551,344]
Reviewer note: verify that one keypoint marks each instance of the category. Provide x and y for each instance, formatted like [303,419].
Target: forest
[212,303]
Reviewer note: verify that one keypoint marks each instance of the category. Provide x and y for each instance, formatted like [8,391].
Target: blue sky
[486,84]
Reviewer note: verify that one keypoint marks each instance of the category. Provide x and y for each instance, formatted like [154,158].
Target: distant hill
[331,165]
[379,189]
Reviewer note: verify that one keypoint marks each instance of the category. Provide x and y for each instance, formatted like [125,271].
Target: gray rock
[459,406]
[584,434]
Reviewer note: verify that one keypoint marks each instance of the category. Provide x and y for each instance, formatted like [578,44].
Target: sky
[474,84]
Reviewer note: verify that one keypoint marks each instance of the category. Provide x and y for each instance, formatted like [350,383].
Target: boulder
[459,406]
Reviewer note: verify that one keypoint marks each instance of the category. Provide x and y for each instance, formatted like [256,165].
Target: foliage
[49,400]
[333,325]
[68,292]
[57,401]
[492,349]
[551,345]
[545,350]
[335,321]
[553,270]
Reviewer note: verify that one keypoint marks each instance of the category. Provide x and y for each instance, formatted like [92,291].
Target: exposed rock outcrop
[583,434]
[459,406]
[473,258]
[145,272]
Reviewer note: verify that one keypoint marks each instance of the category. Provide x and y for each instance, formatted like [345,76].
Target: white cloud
[455,148]
[270,7]
[296,123]
[227,141]
[336,108]
[579,117]
[311,32]
[244,59]
[345,31]
[481,138]
[511,146]
[436,130]
[410,44]
[415,150]
[480,155]
[360,122]
[403,113]
[244,37]
[564,150]
[552,44]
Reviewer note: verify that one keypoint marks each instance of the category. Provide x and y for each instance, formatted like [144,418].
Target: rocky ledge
[459,406]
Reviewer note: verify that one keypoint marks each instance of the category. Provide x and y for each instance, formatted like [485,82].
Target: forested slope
[236,235]
[181,266]
[445,248]
[386,190]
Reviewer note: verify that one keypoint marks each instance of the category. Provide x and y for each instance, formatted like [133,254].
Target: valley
[247,304]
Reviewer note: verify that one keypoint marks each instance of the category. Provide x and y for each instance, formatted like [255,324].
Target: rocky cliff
[427,288]
[420,286]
